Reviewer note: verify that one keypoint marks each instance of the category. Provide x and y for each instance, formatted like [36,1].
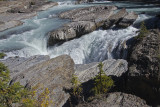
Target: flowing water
[30,38]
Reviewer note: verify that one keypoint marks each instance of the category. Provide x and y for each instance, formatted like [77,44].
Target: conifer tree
[9,94]
[77,89]
[16,93]
[143,31]
[102,83]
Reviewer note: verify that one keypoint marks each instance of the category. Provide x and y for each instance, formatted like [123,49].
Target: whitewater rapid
[30,38]
[93,47]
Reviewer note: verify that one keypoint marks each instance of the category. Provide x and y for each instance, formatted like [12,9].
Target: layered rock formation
[142,1]
[54,74]
[84,1]
[116,99]
[144,66]
[14,11]
[111,67]
[86,20]
[20,64]
[92,13]
[128,20]
[122,19]
[71,31]
[144,56]
[115,18]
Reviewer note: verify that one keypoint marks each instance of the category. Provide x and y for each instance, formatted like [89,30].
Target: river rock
[128,20]
[70,31]
[10,24]
[115,18]
[84,1]
[85,20]
[116,99]
[54,74]
[88,13]
[111,67]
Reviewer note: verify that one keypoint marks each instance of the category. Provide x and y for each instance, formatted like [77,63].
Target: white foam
[96,46]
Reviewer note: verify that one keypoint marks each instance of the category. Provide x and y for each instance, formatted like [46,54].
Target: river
[30,38]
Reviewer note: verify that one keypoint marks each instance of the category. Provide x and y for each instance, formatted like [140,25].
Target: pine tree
[16,93]
[143,31]
[102,83]
[77,89]
[9,94]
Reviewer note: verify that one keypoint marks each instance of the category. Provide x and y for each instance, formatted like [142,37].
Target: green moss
[2,55]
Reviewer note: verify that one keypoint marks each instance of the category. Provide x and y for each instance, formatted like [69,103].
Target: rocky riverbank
[55,74]
[11,12]
[144,68]
[86,20]
[136,80]
[142,1]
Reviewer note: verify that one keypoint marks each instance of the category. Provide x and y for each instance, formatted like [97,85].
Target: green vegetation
[77,89]
[16,94]
[102,83]
[9,94]
[32,3]
[2,55]
[143,31]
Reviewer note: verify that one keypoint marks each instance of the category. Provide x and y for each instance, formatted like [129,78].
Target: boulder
[116,99]
[89,13]
[20,64]
[84,1]
[115,18]
[70,31]
[111,67]
[143,56]
[54,74]
[128,20]
[144,68]
[85,20]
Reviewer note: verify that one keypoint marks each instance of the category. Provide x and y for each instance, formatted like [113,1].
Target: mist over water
[30,38]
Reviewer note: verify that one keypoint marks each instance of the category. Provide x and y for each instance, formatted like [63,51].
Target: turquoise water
[31,38]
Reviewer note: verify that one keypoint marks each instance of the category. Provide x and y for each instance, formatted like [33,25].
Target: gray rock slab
[54,74]
[111,67]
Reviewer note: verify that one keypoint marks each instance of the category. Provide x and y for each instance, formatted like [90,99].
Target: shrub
[77,90]
[2,55]
[102,83]
[16,93]
[9,93]
[143,31]
[32,3]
